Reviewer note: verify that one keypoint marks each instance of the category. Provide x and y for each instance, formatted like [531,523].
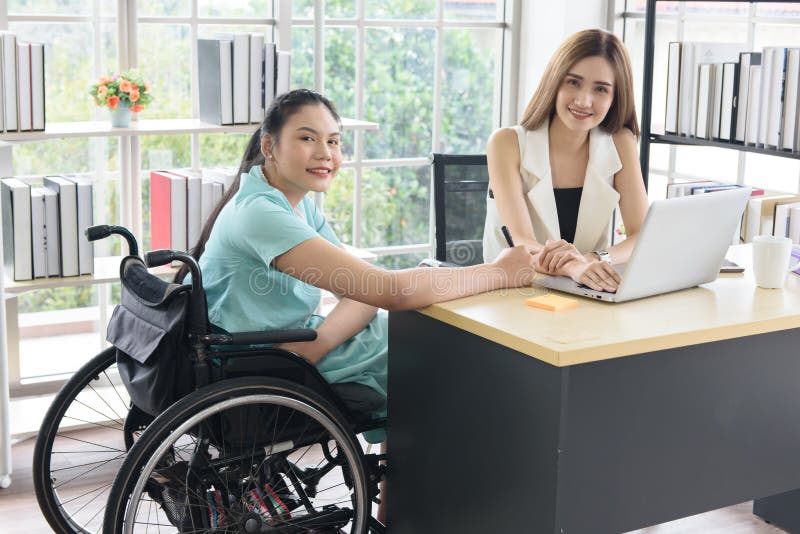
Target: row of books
[720,92]
[43,220]
[21,84]
[239,76]
[181,201]
[767,212]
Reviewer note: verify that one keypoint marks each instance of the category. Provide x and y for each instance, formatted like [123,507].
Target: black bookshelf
[647,137]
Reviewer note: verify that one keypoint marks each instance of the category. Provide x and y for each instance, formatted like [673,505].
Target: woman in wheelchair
[266,251]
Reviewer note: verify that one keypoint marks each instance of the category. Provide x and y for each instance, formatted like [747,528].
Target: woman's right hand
[517,264]
[597,275]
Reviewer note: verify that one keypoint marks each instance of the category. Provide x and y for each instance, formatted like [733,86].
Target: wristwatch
[603,255]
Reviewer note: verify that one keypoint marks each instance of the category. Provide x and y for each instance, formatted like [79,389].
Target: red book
[167,211]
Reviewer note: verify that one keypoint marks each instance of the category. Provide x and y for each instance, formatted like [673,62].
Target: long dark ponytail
[281,109]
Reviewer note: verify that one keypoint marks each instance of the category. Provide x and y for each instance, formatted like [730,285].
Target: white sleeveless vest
[598,200]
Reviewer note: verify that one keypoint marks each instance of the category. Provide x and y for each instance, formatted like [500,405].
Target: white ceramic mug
[771,260]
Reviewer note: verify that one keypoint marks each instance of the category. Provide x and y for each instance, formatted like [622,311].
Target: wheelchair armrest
[262,337]
[430,262]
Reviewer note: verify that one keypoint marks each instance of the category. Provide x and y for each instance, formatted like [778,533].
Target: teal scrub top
[245,292]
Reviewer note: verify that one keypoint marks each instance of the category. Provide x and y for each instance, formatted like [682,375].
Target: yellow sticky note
[552,302]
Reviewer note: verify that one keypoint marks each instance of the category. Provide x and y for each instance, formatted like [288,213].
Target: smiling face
[306,156]
[586,94]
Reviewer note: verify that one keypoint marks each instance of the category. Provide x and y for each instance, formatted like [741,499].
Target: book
[791,96]
[215,78]
[16,215]
[241,78]
[222,175]
[794,225]
[705,83]
[167,211]
[774,98]
[283,70]
[52,232]
[38,246]
[24,85]
[256,78]
[194,183]
[37,86]
[2,83]
[753,106]
[9,76]
[673,85]
[269,74]
[726,102]
[85,220]
[742,87]
[760,212]
[67,221]
[715,106]
[781,217]
[681,189]
[699,190]
[693,54]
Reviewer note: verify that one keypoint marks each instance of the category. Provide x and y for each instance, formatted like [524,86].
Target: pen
[507,235]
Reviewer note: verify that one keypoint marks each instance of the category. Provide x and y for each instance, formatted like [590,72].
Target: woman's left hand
[313,351]
[555,255]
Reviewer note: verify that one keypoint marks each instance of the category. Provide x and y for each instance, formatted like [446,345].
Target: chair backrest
[460,183]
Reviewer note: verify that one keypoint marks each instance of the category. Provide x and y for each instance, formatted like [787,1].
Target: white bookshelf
[62,130]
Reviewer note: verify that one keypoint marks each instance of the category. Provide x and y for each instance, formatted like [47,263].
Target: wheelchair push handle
[102,231]
[155,258]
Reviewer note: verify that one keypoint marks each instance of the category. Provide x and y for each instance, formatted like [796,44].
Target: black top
[568,200]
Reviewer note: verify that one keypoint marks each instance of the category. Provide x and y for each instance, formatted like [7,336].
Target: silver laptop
[682,244]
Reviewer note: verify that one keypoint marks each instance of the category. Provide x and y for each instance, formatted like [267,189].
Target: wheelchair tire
[250,454]
[81,444]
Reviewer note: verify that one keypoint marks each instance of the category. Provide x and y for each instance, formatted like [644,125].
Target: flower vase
[121,116]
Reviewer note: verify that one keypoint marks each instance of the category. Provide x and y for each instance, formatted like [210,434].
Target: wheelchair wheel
[81,444]
[248,454]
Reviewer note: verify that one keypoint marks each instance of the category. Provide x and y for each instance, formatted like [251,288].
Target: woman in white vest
[556,178]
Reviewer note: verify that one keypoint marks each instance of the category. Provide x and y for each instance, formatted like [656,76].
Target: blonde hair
[580,45]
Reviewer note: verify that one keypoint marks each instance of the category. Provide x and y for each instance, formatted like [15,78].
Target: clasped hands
[562,258]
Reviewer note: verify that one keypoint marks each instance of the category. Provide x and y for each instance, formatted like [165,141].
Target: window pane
[67,74]
[339,205]
[159,8]
[302,57]
[723,32]
[401,9]
[302,9]
[718,8]
[771,173]
[707,163]
[59,7]
[162,49]
[640,6]
[659,156]
[340,9]
[399,91]
[240,8]
[666,31]
[340,69]
[483,11]
[777,9]
[395,204]
[220,150]
[776,35]
[467,110]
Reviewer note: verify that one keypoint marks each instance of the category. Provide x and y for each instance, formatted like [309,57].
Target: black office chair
[460,182]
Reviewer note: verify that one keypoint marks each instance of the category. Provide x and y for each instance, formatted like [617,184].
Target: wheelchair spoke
[102,398]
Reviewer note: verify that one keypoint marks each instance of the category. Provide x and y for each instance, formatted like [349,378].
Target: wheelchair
[235,436]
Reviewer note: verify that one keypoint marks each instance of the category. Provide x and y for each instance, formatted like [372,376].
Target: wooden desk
[602,419]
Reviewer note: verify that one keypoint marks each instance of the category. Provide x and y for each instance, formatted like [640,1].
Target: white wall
[545,24]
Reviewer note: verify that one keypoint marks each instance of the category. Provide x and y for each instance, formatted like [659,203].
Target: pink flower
[102,90]
[125,86]
[134,95]
[137,108]
[113,102]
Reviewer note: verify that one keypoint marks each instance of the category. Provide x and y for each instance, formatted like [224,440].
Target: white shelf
[106,269]
[60,130]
